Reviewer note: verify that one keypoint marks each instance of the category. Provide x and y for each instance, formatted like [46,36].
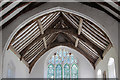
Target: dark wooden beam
[41,48]
[47,32]
[17,54]
[73,23]
[66,31]
[28,8]
[71,40]
[97,49]
[110,7]
[96,32]
[33,49]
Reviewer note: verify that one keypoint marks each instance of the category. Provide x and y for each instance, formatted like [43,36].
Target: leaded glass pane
[60,53]
[64,52]
[52,59]
[68,58]
[75,61]
[62,58]
[66,71]
[58,71]
[74,71]
[60,62]
[56,59]
[50,71]
[65,60]
[72,59]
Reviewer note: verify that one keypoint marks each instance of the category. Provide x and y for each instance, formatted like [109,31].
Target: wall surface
[103,64]
[109,24]
[1,54]
[85,68]
[21,71]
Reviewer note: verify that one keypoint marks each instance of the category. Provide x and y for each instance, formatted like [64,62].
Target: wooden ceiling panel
[60,28]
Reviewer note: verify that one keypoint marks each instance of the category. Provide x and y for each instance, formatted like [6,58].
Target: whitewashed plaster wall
[85,70]
[21,70]
[103,64]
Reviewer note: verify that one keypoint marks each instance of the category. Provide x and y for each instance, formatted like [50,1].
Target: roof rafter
[42,32]
[76,26]
[72,40]
[66,31]
[60,28]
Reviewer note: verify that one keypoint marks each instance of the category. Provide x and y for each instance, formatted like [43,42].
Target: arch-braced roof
[59,28]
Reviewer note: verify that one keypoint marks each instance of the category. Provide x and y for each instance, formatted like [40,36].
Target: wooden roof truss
[59,28]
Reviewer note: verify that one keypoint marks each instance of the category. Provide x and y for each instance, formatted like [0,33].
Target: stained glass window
[58,71]
[66,71]
[50,71]
[63,64]
[74,71]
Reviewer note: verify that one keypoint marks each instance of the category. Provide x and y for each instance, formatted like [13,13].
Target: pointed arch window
[50,71]
[66,71]
[111,68]
[74,71]
[58,71]
[62,65]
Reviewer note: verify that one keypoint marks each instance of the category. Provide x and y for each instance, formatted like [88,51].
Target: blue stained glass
[50,71]
[60,62]
[60,53]
[72,58]
[65,60]
[74,71]
[57,52]
[52,59]
[56,59]
[68,59]
[62,56]
[58,71]
[66,71]
[64,52]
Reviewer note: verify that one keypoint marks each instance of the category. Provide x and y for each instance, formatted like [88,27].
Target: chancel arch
[55,27]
